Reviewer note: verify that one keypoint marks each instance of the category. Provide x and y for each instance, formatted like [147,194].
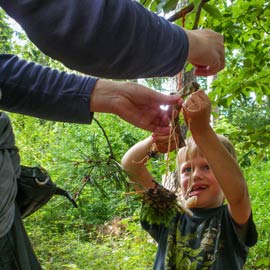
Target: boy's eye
[187,170]
[206,167]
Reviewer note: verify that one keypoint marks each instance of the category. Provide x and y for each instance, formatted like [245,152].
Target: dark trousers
[16,252]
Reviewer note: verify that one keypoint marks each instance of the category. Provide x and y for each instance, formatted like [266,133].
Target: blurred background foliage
[104,232]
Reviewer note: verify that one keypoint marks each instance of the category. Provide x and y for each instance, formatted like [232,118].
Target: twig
[106,137]
[181,13]
[198,14]
[87,180]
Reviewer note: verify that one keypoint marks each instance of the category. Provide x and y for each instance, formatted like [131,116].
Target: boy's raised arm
[135,159]
[197,111]
[133,163]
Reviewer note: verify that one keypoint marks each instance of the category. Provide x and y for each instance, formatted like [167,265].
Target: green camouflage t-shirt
[208,240]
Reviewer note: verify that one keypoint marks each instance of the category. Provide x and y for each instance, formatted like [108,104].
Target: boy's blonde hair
[191,149]
[172,181]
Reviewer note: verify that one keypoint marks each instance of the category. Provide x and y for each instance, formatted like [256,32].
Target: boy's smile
[204,185]
[197,189]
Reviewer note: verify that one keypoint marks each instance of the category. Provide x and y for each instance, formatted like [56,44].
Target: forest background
[104,232]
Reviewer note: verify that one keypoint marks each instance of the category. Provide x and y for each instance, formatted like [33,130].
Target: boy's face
[204,183]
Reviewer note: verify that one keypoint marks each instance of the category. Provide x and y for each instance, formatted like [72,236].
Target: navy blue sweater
[39,91]
[104,38]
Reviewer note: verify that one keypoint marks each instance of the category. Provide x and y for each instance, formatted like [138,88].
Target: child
[216,235]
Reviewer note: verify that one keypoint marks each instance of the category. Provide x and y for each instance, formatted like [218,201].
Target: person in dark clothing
[39,91]
[115,39]
[16,252]
[211,234]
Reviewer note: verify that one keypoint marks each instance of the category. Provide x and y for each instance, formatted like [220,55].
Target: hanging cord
[176,140]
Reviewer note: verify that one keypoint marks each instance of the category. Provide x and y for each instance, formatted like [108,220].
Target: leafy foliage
[247,124]
[259,187]
[80,159]
[133,249]
[6,33]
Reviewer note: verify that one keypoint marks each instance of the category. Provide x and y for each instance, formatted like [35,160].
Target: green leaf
[188,67]
[196,4]
[170,5]
[263,262]
[256,36]
[213,11]
[247,63]
[146,3]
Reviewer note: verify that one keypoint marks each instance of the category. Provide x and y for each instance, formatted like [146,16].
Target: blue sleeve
[39,91]
[104,38]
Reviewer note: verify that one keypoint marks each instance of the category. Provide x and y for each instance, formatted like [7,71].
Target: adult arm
[39,91]
[197,111]
[114,39]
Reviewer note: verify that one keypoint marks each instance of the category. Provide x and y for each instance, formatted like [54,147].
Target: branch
[188,9]
[87,179]
[198,14]
[262,27]
[78,193]
[181,13]
[106,137]
[112,157]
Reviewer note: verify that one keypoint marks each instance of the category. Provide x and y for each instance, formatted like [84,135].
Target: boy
[216,235]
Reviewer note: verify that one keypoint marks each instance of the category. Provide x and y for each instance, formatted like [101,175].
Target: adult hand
[197,111]
[134,103]
[206,51]
[166,142]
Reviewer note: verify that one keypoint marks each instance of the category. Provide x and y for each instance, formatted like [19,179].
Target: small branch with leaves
[186,10]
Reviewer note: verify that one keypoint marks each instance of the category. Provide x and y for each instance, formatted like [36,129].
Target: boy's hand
[197,111]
